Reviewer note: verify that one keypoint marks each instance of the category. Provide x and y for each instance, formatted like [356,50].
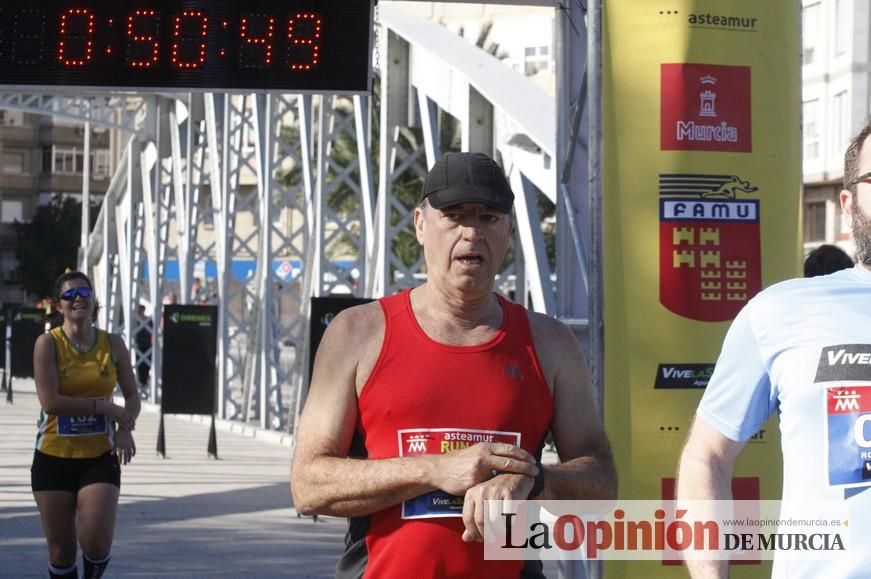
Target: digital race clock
[321,46]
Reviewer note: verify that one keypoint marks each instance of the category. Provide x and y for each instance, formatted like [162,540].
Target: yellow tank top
[82,374]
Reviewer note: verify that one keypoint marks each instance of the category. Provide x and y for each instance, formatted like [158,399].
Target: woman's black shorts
[52,473]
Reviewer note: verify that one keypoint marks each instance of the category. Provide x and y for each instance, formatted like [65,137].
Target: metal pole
[86,200]
[595,197]
[573,301]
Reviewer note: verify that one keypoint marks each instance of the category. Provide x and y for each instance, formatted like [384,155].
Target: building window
[814,221]
[841,122]
[46,159]
[12,162]
[842,24]
[11,211]
[9,267]
[810,21]
[811,129]
[536,58]
[64,160]
[70,161]
[11,118]
[101,164]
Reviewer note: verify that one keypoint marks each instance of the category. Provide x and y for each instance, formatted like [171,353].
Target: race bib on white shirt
[844,372]
[848,418]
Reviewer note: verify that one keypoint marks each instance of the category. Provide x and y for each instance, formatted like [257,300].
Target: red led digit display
[189,35]
[304,32]
[278,45]
[143,29]
[76,44]
[256,43]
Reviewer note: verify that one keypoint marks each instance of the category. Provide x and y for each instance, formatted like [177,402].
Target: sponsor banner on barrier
[670,376]
[701,166]
[666,530]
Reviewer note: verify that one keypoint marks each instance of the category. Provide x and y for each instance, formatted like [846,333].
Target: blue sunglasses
[83,292]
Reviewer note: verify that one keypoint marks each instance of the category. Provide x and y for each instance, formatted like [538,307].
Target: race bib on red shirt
[415,441]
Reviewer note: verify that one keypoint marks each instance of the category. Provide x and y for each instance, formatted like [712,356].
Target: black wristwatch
[538,485]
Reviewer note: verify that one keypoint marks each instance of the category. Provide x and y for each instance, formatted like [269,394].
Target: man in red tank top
[425,404]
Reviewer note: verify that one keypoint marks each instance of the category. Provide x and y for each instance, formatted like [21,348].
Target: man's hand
[125,448]
[456,472]
[501,487]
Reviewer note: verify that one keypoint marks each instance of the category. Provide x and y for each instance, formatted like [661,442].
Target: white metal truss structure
[209,182]
[437,75]
[287,182]
[122,112]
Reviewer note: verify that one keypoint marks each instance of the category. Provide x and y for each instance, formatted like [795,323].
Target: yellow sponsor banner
[702,185]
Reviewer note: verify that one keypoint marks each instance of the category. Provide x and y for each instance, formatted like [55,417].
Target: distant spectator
[199,294]
[143,348]
[51,320]
[826,259]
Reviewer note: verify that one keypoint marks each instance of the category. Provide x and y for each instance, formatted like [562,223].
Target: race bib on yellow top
[415,441]
[81,425]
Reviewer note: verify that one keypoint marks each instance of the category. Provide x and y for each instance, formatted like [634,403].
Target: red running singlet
[426,397]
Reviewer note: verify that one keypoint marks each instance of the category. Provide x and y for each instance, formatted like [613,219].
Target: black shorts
[52,473]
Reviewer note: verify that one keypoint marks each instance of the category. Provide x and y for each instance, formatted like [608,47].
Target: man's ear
[846,198]
[418,224]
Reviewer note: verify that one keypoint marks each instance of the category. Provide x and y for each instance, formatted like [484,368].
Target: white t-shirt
[802,348]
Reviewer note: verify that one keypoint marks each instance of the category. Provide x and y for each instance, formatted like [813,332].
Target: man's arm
[586,470]
[705,473]
[325,481]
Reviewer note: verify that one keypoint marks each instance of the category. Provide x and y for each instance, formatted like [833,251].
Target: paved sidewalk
[186,516]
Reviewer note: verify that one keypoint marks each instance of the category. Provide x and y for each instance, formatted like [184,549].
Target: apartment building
[41,157]
[836,61]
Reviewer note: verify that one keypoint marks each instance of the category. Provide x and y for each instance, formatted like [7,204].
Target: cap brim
[457,195]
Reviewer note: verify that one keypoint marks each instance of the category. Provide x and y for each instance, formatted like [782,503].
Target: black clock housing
[290,46]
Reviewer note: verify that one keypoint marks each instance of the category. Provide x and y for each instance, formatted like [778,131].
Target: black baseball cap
[468,178]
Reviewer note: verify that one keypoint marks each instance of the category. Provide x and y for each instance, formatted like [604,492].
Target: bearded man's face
[861,233]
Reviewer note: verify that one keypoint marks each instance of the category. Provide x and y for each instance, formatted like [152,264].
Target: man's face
[857,208]
[464,245]
[862,233]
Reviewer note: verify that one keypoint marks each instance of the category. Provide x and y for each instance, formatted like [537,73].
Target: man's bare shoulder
[357,322]
[547,330]
[351,344]
[555,344]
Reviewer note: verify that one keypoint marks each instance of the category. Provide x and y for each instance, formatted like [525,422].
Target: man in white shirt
[800,348]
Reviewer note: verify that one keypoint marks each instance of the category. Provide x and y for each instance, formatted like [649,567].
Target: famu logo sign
[675,376]
[182,318]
